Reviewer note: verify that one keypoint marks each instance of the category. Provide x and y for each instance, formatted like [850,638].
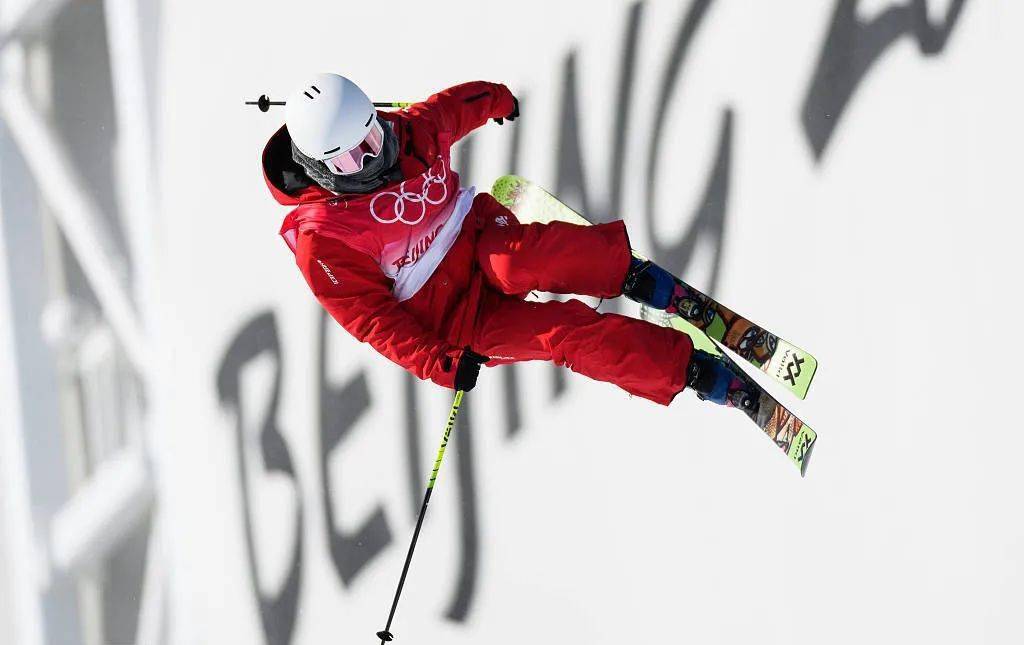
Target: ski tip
[807,460]
[810,369]
[800,450]
[792,367]
[504,189]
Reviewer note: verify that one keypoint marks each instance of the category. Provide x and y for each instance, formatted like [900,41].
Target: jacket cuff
[505,104]
[447,366]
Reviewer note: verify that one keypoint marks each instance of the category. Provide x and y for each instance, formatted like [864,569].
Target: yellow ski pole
[385,634]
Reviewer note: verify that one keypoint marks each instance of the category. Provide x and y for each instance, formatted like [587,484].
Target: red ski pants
[639,357]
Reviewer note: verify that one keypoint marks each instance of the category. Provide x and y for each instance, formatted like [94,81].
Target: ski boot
[714,379]
[649,284]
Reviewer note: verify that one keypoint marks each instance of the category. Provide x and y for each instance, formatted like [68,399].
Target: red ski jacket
[365,256]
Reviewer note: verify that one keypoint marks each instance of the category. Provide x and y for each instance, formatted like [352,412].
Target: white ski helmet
[331,120]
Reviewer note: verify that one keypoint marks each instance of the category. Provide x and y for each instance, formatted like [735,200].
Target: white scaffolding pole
[15,507]
[26,17]
[74,208]
[152,610]
[104,510]
[137,195]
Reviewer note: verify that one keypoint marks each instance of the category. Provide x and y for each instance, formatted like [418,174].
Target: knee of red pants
[558,258]
[641,358]
[510,329]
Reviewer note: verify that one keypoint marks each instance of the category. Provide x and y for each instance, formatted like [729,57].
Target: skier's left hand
[468,369]
[512,116]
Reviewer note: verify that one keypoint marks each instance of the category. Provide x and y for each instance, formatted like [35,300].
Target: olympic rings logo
[401,198]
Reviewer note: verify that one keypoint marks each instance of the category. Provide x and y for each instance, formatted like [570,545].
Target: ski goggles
[351,161]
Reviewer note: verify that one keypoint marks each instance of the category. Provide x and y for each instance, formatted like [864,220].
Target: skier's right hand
[511,116]
[468,369]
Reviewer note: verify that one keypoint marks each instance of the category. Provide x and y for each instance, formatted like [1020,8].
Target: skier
[434,275]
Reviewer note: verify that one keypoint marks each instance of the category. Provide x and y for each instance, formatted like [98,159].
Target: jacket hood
[286,180]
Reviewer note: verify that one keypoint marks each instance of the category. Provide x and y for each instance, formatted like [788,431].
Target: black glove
[468,369]
[513,115]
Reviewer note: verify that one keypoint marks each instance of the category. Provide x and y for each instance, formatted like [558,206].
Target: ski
[785,429]
[790,434]
[791,366]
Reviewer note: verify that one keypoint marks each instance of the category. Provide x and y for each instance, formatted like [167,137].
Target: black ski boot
[648,283]
[714,379]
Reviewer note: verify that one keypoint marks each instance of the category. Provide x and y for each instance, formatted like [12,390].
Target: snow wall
[845,172]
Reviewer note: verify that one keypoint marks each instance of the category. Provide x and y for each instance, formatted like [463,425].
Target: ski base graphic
[783,361]
[785,429]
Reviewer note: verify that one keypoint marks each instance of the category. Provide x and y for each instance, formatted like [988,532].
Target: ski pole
[385,634]
[264,103]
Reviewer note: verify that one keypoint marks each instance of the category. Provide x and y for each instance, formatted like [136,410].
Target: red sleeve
[357,294]
[464,108]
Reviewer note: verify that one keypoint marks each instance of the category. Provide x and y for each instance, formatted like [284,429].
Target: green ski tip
[792,367]
[800,448]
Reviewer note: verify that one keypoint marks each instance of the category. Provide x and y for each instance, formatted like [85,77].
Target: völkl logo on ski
[792,376]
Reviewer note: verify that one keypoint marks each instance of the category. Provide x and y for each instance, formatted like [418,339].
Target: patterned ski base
[790,434]
[776,357]
[780,359]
